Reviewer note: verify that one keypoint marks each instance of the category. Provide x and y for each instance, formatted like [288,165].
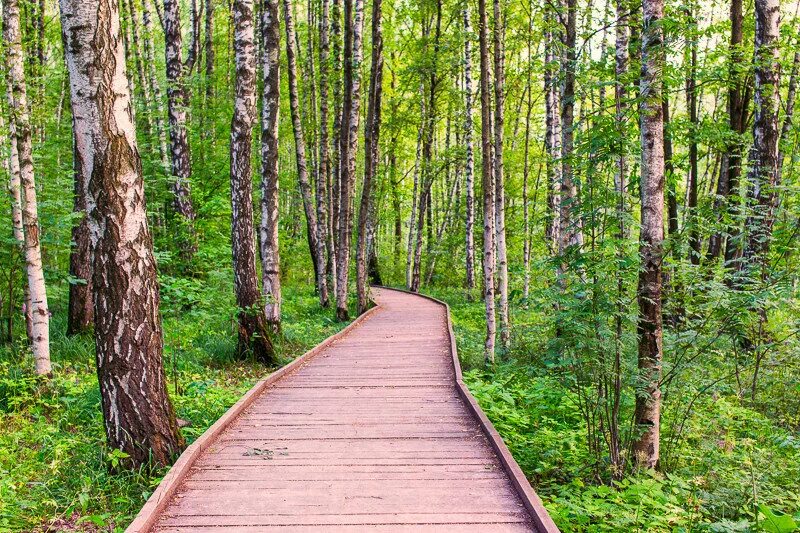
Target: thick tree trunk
[270,111]
[353,53]
[139,419]
[252,324]
[469,168]
[763,177]
[499,180]
[647,416]
[488,184]
[315,239]
[178,103]
[371,146]
[39,331]
[80,317]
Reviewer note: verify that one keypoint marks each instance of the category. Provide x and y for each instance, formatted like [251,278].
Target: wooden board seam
[161,497]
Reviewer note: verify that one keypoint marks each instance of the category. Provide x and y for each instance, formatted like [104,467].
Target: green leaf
[777,522]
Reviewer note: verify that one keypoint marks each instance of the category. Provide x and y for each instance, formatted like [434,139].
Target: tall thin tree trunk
[647,416]
[39,335]
[763,177]
[469,168]
[415,192]
[209,50]
[324,217]
[178,103]
[253,334]
[353,53]
[155,86]
[336,139]
[371,145]
[553,129]
[315,240]
[691,97]
[139,419]
[270,111]
[499,180]
[488,184]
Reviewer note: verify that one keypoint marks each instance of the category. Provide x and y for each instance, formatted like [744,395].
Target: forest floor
[732,470]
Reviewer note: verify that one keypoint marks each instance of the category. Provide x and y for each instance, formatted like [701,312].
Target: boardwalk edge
[165,491]
[530,499]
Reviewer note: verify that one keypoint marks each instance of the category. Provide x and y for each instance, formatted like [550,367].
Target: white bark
[18,104]
[469,168]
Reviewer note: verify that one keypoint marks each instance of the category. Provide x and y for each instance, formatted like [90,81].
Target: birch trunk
[647,415]
[155,86]
[488,184]
[763,177]
[691,104]
[270,111]
[353,53]
[315,240]
[553,130]
[499,180]
[324,178]
[469,168]
[39,334]
[371,145]
[526,226]
[253,336]
[336,140]
[139,419]
[178,103]
[209,49]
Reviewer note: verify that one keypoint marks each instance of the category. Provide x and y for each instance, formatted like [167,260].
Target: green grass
[54,464]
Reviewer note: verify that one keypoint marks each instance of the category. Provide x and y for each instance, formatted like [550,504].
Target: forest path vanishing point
[372,430]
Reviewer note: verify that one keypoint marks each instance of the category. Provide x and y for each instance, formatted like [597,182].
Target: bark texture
[647,416]
[253,336]
[488,184]
[372,131]
[270,111]
[80,317]
[469,165]
[139,419]
[36,307]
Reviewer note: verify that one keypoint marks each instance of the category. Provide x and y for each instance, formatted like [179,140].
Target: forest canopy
[605,192]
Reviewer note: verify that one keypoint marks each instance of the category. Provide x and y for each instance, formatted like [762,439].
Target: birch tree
[178,103]
[315,239]
[371,144]
[487,180]
[139,419]
[21,137]
[253,336]
[270,111]
[353,53]
[647,416]
[469,166]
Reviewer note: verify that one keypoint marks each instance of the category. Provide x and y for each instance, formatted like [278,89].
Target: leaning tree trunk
[371,140]
[252,321]
[139,419]
[488,184]
[647,416]
[270,111]
[469,168]
[353,53]
[178,103]
[316,241]
[80,315]
[39,334]
[499,193]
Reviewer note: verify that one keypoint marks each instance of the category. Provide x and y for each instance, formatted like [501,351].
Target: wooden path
[371,431]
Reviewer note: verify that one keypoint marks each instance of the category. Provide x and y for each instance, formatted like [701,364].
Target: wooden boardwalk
[371,431]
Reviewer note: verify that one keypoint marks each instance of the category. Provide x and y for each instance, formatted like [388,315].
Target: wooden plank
[374,434]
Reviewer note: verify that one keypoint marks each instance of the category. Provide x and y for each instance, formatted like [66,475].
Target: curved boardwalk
[371,434]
